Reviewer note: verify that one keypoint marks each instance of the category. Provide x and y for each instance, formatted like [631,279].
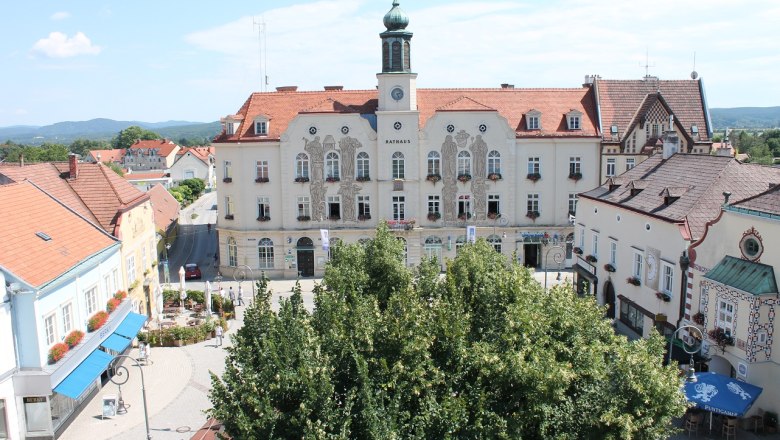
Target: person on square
[240,296]
[232,296]
[218,331]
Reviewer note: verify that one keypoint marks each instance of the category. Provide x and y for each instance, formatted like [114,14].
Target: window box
[96,321]
[433,178]
[464,216]
[591,259]
[334,217]
[577,250]
[721,337]
[464,177]
[262,180]
[699,318]
[303,218]
[663,296]
[229,216]
[120,295]
[493,215]
[575,176]
[533,215]
[227,179]
[634,280]
[364,217]
[533,176]
[332,179]
[301,179]
[609,268]
[433,216]
[363,178]
[74,338]
[57,352]
[264,218]
[406,224]
[112,304]
[494,176]
[134,284]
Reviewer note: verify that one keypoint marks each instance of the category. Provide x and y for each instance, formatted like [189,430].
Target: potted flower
[120,295]
[74,338]
[227,179]
[699,318]
[591,259]
[609,268]
[633,280]
[575,176]
[721,337]
[112,304]
[301,179]
[533,176]
[533,215]
[229,216]
[494,176]
[264,218]
[577,250]
[433,216]
[96,321]
[433,178]
[493,215]
[464,177]
[464,216]
[57,352]
[332,179]
[335,217]
[262,180]
[364,178]
[303,218]
[665,297]
[364,217]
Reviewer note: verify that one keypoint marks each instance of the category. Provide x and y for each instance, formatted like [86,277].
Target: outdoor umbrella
[721,394]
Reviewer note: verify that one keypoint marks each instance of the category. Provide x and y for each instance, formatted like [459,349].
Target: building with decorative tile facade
[431,162]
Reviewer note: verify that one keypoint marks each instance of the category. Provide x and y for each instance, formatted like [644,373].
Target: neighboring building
[144,156]
[57,271]
[106,199]
[145,181]
[641,224]
[115,156]
[166,217]
[506,161]
[634,114]
[9,409]
[733,287]
[195,162]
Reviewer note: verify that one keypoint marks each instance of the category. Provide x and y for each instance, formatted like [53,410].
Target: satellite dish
[694,75]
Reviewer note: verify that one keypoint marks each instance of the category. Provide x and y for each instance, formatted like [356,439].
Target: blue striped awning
[131,325]
[116,342]
[84,375]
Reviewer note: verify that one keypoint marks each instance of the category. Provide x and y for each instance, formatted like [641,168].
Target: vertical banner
[325,239]
[471,234]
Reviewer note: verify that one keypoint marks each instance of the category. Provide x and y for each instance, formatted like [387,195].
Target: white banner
[325,239]
[471,234]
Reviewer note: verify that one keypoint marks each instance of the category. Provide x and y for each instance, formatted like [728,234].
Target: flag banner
[325,239]
[471,234]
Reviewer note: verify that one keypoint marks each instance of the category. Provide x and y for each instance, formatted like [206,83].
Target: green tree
[44,153]
[130,135]
[483,352]
[84,146]
[196,187]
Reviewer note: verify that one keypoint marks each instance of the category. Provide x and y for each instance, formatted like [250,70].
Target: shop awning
[131,325]
[83,376]
[116,342]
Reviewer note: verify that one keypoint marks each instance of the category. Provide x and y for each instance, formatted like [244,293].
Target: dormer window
[574,120]
[261,127]
[533,120]
[230,128]
[232,123]
[636,187]
[695,131]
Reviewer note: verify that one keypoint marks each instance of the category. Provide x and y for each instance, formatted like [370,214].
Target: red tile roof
[143,176]
[116,155]
[621,101]
[281,107]
[27,210]
[166,207]
[165,146]
[201,153]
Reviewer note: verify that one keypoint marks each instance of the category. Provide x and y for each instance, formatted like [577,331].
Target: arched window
[495,240]
[459,243]
[332,166]
[302,166]
[494,162]
[433,248]
[232,252]
[434,163]
[398,165]
[265,252]
[464,163]
[396,56]
[362,166]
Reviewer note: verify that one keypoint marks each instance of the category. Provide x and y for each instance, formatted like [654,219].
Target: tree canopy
[483,352]
[128,136]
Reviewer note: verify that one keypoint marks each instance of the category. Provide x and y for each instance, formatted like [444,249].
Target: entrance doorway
[609,299]
[531,255]
[305,248]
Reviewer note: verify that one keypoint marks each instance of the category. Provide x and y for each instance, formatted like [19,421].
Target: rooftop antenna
[647,64]
[261,51]
[694,74]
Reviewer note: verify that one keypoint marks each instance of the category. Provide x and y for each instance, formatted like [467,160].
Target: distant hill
[745,117]
[104,129]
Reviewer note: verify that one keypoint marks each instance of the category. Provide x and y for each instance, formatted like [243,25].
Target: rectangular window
[261,127]
[613,253]
[304,206]
[638,264]
[533,165]
[656,132]
[263,208]
[725,315]
[114,281]
[3,420]
[131,276]
[228,168]
[575,166]
[595,248]
[633,142]
[574,122]
[364,207]
[533,122]
[230,128]
[228,207]
[144,258]
[50,326]
[632,317]
[399,207]
[667,278]
[581,234]
[572,203]
[533,203]
[630,163]
[67,318]
[334,207]
[464,206]
[494,204]
[434,204]
[90,299]
[262,171]
[107,284]
[610,167]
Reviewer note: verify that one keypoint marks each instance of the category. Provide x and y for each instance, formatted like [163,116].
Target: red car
[191,272]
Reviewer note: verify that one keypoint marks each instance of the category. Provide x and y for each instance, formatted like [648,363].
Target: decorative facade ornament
[347,148]
[348,190]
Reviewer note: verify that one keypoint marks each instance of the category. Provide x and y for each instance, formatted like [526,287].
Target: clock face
[397,93]
[652,267]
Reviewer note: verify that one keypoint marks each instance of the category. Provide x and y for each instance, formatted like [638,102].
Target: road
[196,242]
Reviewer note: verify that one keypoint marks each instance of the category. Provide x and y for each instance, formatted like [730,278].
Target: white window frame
[67,318]
[726,312]
[611,167]
[574,120]
[366,208]
[575,165]
[91,300]
[265,253]
[573,199]
[50,328]
[581,243]
[232,251]
[302,165]
[399,208]
[494,199]
[464,163]
[533,122]
[434,203]
[332,170]
[229,205]
[304,206]
[595,244]
[613,253]
[434,163]
[667,278]
[533,203]
[494,162]
[534,165]
[334,200]
[261,127]
[630,163]
[464,205]
[263,206]
[638,263]
[398,170]
[261,169]
[363,165]
[227,167]
[131,274]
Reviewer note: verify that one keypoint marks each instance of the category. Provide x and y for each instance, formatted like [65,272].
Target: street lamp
[240,272]
[557,257]
[119,374]
[690,376]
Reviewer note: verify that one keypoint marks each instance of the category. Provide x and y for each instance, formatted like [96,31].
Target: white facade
[190,166]
[9,413]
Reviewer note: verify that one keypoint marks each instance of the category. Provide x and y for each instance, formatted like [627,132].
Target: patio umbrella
[721,394]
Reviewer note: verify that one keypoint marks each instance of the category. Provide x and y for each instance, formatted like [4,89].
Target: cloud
[59,45]
[62,15]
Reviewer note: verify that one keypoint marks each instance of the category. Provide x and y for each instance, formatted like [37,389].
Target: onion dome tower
[396,48]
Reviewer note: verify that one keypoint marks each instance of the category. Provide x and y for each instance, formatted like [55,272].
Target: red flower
[74,338]
[97,320]
[57,352]
[112,304]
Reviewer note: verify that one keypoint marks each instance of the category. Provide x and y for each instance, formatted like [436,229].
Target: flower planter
[301,179]
[634,280]
[433,216]
[264,218]
[57,352]
[74,338]
[227,179]
[433,178]
[533,176]
[493,215]
[364,217]
[464,177]
[332,179]
[663,296]
[303,218]
[262,180]
[575,176]
[591,259]
[229,216]
[494,176]
[577,250]
[362,178]
[96,321]
[609,268]
[699,318]
[533,215]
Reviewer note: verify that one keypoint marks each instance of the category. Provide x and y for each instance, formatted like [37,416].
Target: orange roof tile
[142,176]
[165,146]
[201,153]
[27,210]
[166,207]
[281,107]
[116,155]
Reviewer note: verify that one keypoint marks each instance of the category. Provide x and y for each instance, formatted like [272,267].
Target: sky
[198,61]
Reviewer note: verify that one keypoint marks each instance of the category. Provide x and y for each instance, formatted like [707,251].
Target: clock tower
[397,88]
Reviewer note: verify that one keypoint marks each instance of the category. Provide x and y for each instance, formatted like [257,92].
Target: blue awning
[116,342]
[131,325]
[721,394]
[83,376]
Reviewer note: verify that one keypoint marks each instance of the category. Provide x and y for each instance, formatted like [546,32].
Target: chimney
[287,89]
[21,160]
[507,86]
[334,87]
[671,144]
[73,166]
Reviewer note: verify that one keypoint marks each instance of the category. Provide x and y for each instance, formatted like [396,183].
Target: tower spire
[396,47]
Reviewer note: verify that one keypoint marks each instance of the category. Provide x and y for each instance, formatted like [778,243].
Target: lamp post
[126,374]
[690,376]
[557,257]
[240,272]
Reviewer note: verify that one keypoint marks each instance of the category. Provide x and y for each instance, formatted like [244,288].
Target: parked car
[191,272]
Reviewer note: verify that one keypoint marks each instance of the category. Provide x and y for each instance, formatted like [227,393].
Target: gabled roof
[166,207]
[748,276]
[201,153]
[27,210]
[621,100]
[282,107]
[705,177]
[165,146]
[767,202]
[116,155]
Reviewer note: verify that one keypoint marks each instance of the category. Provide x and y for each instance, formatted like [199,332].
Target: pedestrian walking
[240,295]
[232,296]
[218,331]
